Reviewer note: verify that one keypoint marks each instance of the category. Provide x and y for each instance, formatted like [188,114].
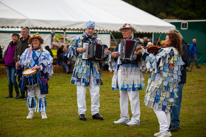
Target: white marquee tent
[108,15]
[72,15]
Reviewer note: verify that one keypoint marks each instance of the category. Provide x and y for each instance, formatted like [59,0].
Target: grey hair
[25,28]
[32,46]
[145,38]
[176,31]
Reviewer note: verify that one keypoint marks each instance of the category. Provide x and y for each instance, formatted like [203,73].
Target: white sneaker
[30,116]
[133,123]
[43,115]
[121,121]
[157,134]
[165,134]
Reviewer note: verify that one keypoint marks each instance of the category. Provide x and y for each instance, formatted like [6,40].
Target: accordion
[127,48]
[94,51]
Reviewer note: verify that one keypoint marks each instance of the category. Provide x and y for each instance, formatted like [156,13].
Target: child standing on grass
[165,72]
[10,66]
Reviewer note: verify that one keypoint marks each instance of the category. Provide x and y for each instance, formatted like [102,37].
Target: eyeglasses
[125,30]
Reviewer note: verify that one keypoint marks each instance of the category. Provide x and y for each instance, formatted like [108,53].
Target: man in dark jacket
[175,122]
[22,44]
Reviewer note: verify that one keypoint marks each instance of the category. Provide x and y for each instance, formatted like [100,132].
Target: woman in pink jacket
[10,65]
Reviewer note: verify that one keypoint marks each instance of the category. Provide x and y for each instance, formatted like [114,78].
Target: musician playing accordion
[86,72]
[128,76]
[37,65]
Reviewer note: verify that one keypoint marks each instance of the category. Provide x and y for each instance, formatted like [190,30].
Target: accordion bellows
[94,51]
[165,72]
[127,48]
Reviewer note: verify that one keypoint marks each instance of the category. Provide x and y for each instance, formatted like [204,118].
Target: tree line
[172,9]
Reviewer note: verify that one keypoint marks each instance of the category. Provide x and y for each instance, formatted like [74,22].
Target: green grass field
[63,118]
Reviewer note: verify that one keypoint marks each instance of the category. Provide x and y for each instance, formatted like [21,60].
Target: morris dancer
[40,60]
[86,74]
[165,71]
[128,78]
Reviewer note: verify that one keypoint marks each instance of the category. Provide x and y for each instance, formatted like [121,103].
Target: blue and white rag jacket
[131,73]
[82,70]
[165,72]
[44,60]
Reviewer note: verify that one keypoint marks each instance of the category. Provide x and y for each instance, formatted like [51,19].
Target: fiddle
[153,48]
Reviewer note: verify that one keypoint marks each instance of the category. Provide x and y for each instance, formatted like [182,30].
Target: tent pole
[64,35]
[113,37]
[153,37]
[29,31]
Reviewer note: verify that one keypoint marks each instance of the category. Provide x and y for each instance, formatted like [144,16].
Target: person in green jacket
[22,44]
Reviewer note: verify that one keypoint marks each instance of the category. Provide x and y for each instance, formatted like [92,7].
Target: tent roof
[73,15]
[141,20]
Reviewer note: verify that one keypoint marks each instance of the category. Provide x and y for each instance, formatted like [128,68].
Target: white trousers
[94,95]
[134,102]
[36,91]
[163,119]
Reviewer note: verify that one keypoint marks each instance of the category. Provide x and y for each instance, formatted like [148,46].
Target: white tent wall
[72,37]
[7,37]
[105,38]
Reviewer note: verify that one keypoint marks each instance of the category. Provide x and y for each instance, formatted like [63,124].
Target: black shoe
[188,70]
[198,66]
[174,129]
[97,116]
[170,126]
[19,97]
[25,98]
[82,117]
[9,97]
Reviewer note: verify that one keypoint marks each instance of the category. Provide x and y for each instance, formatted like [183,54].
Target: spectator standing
[10,66]
[193,52]
[22,44]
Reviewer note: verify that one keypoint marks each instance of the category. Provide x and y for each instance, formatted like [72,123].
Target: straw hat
[36,36]
[127,26]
